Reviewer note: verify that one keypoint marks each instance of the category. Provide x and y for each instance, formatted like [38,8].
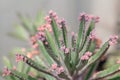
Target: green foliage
[56,59]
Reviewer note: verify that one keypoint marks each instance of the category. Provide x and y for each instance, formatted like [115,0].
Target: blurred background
[108,10]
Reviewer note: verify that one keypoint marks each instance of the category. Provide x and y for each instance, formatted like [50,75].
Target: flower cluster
[53,15]
[92,35]
[60,60]
[34,42]
[65,50]
[113,39]
[6,72]
[89,17]
[86,56]
[57,69]
[20,57]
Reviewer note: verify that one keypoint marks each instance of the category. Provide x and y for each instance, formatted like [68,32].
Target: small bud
[14,67]
[92,35]
[113,39]
[84,57]
[23,49]
[29,55]
[60,70]
[35,46]
[19,57]
[66,50]
[6,72]
[118,61]
[54,66]
[88,53]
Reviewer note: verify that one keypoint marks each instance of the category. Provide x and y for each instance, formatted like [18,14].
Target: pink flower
[66,50]
[54,15]
[97,19]
[48,19]
[60,70]
[19,57]
[92,35]
[84,57]
[46,43]
[6,72]
[23,49]
[113,39]
[50,12]
[89,17]
[88,53]
[118,61]
[35,45]
[62,48]
[33,39]
[73,34]
[14,67]
[54,66]
[81,15]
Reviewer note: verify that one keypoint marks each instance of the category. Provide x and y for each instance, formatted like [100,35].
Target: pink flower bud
[118,62]
[14,67]
[88,53]
[84,57]
[113,39]
[62,48]
[35,46]
[23,49]
[92,35]
[54,66]
[60,70]
[6,72]
[73,34]
[47,18]
[50,12]
[19,57]
[66,50]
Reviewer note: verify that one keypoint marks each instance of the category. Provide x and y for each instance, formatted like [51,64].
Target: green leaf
[49,77]
[108,72]
[39,19]
[39,60]
[27,24]
[7,62]
[115,76]
[64,32]
[73,58]
[51,43]
[101,52]
[56,31]
[91,70]
[82,52]
[20,66]
[95,57]
[45,54]
[19,33]
[92,46]
[80,35]
[22,76]
[91,27]
[87,33]
[38,67]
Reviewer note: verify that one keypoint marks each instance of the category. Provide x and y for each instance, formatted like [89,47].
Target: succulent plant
[59,60]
